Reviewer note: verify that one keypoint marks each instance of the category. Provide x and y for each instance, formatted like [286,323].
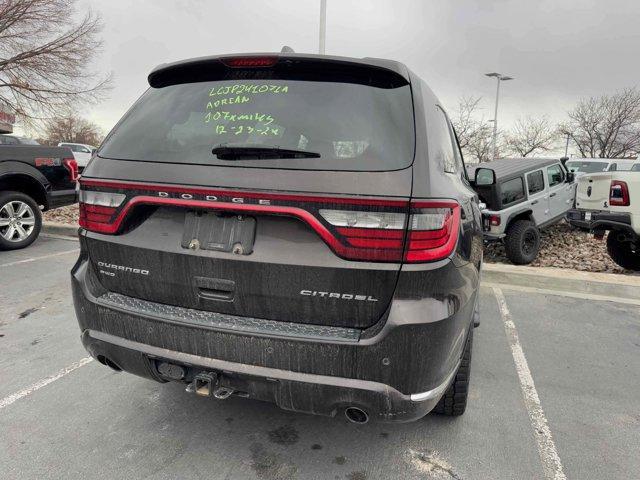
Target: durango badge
[121,268]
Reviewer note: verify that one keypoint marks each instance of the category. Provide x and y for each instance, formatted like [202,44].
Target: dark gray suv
[291,228]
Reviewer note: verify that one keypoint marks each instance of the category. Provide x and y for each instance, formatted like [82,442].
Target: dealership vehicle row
[217,185]
[106,425]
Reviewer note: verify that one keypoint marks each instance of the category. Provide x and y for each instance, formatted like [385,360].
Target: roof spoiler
[281,66]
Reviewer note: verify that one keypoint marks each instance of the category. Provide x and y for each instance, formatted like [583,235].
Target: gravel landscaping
[562,246]
[68,214]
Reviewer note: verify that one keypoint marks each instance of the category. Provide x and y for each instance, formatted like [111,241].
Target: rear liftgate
[378,231]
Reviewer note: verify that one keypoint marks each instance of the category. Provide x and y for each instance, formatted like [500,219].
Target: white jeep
[521,196]
[610,201]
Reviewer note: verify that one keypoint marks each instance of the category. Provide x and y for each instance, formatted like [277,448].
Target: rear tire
[20,220]
[454,401]
[522,242]
[623,253]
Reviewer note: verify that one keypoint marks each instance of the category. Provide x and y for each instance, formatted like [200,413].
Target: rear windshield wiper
[227,152]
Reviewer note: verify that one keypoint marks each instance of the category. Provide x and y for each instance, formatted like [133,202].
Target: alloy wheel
[17,221]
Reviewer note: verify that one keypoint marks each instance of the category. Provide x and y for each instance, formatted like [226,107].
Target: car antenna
[287,49]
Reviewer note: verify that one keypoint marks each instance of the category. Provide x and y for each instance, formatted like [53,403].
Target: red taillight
[619,194]
[72,166]
[371,235]
[96,219]
[494,220]
[251,62]
[433,231]
[97,210]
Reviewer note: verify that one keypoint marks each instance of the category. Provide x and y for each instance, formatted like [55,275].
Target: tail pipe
[356,415]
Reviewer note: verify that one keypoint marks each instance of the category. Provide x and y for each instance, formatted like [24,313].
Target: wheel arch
[521,215]
[27,184]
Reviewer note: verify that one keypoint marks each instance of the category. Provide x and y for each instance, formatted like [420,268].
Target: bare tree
[607,126]
[481,145]
[71,128]
[464,120]
[530,136]
[45,57]
[473,131]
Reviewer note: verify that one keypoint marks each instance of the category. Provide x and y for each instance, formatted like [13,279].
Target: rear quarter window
[511,191]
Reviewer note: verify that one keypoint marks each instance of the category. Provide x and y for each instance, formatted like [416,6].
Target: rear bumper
[397,373]
[599,220]
[294,391]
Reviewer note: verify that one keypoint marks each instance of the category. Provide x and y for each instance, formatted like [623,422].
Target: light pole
[499,77]
[323,26]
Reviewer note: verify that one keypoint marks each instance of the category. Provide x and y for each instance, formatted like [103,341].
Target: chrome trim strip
[439,390]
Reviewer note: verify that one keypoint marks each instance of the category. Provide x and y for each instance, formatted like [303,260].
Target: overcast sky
[557,50]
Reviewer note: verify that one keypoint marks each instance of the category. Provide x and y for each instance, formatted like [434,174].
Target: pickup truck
[610,201]
[32,179]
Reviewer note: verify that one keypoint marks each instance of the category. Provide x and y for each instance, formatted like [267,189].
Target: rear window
[7,140]
[587,167]
[351,126]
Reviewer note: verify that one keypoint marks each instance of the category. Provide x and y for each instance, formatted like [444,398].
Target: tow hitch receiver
[203,383]
[207,384]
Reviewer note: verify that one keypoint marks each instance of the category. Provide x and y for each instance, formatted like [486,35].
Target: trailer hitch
[207,384]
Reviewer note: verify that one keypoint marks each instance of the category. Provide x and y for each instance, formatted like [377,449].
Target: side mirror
[485,176]
[571,177]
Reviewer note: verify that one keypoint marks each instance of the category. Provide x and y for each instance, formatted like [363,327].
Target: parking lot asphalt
[554,393]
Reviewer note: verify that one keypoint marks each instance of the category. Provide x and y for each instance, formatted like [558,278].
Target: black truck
[33,179]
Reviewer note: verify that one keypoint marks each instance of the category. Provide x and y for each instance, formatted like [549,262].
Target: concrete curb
[57,228]
[565,280]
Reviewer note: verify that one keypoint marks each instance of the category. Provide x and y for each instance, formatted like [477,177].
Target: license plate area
[587,216]
[219,232]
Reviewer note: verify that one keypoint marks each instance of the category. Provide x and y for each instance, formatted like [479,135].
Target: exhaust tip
[356,415]
[109,363]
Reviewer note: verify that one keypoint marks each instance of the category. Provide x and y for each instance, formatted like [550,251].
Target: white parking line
[6,401]
[564,293]
[33,259]
[551,464]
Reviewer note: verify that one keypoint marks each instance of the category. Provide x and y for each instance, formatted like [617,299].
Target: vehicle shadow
[260,439]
